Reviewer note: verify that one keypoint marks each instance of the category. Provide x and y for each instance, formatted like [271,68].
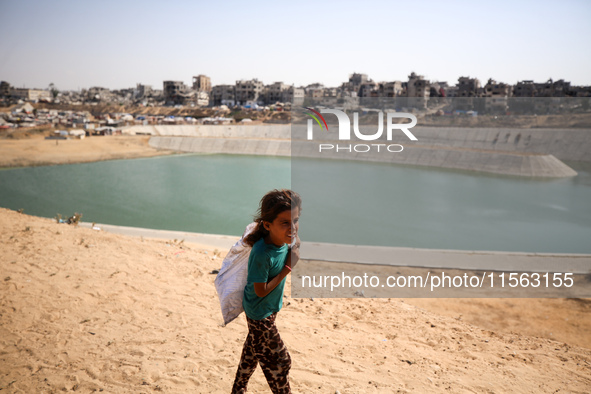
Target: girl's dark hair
[272,204]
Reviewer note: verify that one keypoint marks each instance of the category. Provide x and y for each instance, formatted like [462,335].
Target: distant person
[271,260]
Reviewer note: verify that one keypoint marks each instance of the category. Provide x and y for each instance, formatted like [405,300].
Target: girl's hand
[294,255]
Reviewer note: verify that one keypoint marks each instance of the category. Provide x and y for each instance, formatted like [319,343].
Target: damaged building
[249,91]
[176,92]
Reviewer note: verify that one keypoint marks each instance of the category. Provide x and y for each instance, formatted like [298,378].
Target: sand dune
[88,311]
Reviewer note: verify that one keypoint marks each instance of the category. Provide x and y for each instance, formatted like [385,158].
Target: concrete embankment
[519,152]
[382,255]
[565,144]
[505,163]
[280,131]
[233,146]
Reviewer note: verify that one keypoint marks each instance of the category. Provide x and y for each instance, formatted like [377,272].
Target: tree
[53,90]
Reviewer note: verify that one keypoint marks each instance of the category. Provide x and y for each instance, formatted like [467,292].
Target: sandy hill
[88,311]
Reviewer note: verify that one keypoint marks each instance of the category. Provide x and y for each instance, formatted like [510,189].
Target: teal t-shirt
[265,262]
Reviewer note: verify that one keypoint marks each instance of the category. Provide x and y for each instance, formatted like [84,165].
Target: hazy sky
[116,44]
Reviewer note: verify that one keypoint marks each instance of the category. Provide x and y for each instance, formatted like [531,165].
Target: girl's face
[284,228]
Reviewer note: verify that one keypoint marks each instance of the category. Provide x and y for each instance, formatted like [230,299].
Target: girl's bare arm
[262,289]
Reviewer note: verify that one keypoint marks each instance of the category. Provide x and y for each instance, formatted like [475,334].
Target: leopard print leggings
[264,346]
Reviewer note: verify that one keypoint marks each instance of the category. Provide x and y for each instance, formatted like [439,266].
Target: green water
[344,202]
[380,204]
[216,194]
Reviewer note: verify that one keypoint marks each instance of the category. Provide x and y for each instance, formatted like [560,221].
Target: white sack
[231,280]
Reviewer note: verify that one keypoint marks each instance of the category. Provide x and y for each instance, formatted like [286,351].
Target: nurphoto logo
[344,130]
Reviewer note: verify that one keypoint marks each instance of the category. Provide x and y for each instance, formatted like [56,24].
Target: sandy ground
[39,151]
[561,319]
[85,310]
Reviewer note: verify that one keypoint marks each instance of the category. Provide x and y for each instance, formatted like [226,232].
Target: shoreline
[578,263]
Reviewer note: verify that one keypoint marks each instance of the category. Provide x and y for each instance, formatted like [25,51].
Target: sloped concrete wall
[233,146]
[485,161]
[506,163]
[564,144]
[214,131]
[520,152]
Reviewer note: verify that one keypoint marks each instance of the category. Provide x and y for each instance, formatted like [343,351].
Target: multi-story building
[223,95]
[468,87]
[143,91]
[417,86]
[294,95]
[368,89]
[175,92]
[276,92]
[5,89]
[249,91]
[202,83]
[314,91]
[331,92]
[580,91]
[559,88]
[97,94]
[497,89]
[550,88]
[283,93]
[418,90]
[524,89]
[496,96]
[451,91]
[354,84]
[391,89]
[202,89]
[31,94]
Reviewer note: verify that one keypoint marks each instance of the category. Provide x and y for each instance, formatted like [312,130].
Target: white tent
[26,108]
[78,133]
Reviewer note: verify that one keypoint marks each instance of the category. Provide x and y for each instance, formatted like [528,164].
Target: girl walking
[271,260]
